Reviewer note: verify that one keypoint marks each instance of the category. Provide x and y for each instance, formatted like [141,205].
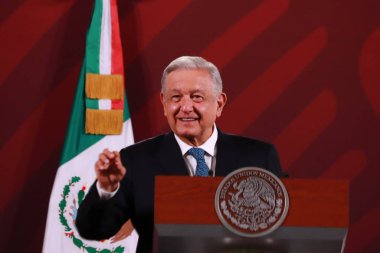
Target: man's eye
[176,98]
[197,98]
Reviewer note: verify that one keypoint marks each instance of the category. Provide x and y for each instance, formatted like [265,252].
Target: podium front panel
[186,220]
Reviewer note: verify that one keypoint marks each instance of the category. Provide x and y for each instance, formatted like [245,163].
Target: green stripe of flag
[92,103]
[93,39]
[76,138]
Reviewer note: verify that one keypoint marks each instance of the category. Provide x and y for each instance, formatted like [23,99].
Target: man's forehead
[188,78]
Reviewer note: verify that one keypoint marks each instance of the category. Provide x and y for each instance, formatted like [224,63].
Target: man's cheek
[200,110]
[174,109]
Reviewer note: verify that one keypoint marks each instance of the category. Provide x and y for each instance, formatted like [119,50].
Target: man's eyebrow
[179,90]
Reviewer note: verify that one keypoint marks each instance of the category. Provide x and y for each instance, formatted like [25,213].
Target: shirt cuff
[103,194]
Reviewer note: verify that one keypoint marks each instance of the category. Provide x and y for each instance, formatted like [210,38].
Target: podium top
[190,200]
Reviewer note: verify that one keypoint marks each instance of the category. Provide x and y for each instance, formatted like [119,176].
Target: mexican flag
[100,119]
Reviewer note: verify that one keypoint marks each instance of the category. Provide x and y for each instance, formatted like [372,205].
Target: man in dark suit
[192,99]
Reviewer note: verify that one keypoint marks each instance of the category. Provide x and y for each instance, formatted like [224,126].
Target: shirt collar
[208,146]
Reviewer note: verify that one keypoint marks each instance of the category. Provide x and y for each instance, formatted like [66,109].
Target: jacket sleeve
[99,219]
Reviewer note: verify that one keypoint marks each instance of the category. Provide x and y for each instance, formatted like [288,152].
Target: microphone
[210,173]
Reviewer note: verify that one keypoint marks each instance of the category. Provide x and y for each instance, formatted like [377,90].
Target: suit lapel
[224,155]
[170,157]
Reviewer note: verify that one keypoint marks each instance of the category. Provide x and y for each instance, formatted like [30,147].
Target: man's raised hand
[109,170]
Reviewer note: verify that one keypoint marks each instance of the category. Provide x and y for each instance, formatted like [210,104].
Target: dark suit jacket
[100,219]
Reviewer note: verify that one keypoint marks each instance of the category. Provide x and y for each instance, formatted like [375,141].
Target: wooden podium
[186,221]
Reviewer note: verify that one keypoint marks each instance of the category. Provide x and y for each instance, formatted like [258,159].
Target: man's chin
[188,135]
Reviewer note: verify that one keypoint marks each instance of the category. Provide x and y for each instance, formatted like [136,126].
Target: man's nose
[186,105]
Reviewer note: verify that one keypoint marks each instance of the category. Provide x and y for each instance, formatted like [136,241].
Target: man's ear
[162,99]
[221,102]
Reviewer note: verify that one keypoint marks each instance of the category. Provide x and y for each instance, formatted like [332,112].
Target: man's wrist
[105,193]
[109,188]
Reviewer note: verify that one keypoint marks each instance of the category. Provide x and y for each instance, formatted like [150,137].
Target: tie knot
[197,153]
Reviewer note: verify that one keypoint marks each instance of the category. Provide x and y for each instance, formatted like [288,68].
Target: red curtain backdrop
[304,75]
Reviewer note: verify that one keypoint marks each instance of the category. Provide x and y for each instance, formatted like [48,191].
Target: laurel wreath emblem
[68,230]
[253,206]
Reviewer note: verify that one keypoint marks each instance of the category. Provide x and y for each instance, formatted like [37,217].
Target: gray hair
[194,63]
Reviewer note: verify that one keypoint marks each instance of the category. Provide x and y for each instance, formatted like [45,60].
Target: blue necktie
[199,155]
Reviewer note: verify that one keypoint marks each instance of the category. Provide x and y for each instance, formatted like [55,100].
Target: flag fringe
[104,86]
[104,121]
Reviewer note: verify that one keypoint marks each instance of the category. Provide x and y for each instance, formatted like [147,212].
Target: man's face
[191,105]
